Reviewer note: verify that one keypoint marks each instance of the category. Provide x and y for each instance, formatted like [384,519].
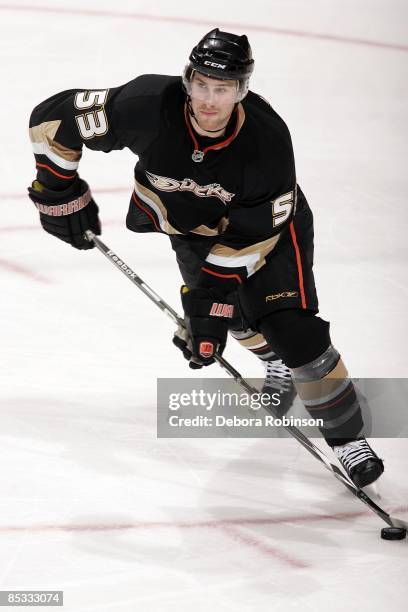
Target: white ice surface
[92,503]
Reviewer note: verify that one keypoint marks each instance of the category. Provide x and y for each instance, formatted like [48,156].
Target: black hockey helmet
[221,55]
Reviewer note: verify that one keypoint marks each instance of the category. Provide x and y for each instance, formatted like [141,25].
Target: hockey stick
[294,431]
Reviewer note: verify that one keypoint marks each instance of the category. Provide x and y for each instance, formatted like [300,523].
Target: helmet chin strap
[191,113]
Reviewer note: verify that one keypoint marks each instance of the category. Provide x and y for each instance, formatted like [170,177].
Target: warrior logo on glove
[204,334]
[222,310]
[206,349]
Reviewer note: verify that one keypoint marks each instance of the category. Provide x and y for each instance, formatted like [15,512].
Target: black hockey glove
[67,214]
[206,318]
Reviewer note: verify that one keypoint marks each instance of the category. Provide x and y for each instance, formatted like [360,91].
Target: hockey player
[215,173]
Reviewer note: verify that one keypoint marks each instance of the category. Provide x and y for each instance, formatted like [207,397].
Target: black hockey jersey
[240,188]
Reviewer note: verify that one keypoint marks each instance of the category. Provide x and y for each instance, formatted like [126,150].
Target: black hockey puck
[393,533]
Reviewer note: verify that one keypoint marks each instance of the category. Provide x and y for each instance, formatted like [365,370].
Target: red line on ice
[229,527]
[28,228]
[20,196]
[209,524]
[264,548]
[204,22]
[24,271]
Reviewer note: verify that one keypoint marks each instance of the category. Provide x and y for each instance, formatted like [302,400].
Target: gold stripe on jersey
[160,211]
[44,133]
[204,230]
[261,249]
[241,118]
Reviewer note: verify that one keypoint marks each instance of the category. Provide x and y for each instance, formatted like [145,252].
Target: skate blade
[373,489]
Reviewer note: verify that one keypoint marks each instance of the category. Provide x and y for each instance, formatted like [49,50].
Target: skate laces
[277,375]
[353,453]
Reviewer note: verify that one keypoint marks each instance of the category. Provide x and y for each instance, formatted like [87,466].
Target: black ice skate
[360,462]
[278,379]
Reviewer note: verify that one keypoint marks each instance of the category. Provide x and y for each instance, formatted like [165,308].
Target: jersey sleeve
[100,119]
[255,222]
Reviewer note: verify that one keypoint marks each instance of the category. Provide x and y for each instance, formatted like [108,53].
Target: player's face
[212,100]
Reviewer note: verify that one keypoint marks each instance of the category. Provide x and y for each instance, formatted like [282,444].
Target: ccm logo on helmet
[215,65]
